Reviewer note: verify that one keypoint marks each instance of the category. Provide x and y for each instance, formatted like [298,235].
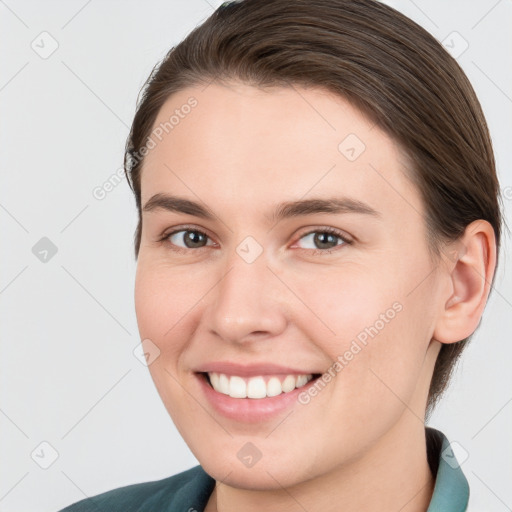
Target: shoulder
[185,491]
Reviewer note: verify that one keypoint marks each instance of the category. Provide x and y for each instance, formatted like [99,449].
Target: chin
[257,478]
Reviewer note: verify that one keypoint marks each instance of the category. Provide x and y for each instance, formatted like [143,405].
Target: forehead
[247,146]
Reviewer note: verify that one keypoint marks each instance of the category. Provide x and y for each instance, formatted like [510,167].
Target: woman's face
[265,298]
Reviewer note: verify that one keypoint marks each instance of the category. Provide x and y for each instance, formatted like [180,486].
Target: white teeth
[256,387]
[289,383]
[223,384]
[274,387]
[237,387]
[214,377]
[301,380]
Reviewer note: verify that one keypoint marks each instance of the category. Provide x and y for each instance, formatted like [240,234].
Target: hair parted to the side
[393,70]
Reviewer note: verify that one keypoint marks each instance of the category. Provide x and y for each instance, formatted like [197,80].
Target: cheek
[345,304]
[374,324]
[163,306]
[163,298]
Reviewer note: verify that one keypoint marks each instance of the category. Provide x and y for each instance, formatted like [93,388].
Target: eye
[325,240]
[184,239]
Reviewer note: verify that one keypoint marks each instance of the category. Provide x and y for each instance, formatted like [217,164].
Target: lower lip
[250,410]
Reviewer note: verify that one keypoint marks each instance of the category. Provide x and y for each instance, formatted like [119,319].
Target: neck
[393,474]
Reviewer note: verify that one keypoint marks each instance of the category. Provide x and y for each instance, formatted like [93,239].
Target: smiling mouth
[256,387]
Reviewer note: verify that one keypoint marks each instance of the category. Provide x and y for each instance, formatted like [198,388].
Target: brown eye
[188,238]
[325,240]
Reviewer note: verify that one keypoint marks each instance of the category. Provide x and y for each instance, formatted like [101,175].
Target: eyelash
[332,231]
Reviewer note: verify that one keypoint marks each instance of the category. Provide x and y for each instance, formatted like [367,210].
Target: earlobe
[470,275]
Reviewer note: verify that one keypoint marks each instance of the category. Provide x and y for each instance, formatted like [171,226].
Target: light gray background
[68,373]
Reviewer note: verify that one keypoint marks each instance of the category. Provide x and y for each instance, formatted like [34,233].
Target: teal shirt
[190,490]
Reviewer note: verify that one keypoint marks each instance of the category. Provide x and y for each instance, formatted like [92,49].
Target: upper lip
[248,370]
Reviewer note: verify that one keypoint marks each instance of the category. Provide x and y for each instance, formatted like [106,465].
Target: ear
[472,262]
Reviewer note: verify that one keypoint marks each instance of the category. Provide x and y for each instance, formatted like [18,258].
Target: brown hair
[393,70]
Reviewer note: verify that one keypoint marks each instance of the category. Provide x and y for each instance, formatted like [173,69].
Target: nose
[247,303]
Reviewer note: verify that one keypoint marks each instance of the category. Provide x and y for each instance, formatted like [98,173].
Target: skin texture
[360,442]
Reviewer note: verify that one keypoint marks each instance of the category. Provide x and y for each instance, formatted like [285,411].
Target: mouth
[256,387]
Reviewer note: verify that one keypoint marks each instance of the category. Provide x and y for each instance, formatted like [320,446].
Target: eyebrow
[286,210]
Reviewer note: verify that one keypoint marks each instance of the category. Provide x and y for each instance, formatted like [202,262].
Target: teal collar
[451,490]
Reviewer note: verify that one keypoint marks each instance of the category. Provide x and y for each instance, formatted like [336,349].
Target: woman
[318,235]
